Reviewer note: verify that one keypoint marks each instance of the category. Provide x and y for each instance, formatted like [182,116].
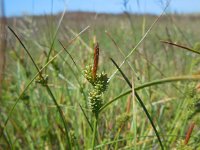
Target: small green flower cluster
[95,101]
[43,81]
[122,120]
[100,84]
[88,74]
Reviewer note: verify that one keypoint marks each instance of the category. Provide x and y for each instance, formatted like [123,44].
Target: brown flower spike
[96,60]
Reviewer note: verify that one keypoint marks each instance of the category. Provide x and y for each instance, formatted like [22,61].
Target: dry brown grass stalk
[96,60]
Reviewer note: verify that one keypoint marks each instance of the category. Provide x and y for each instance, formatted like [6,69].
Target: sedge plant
[99,83]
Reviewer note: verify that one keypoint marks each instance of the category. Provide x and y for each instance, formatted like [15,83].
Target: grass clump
[155,81]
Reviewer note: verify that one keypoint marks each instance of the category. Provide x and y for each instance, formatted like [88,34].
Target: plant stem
[152,83]
[61,115]
[94,131]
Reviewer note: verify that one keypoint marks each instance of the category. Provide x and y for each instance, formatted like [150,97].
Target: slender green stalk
[94,132]
[120,50]
[131,138]
[134,116]
[117,138]
[87,119]
[141,40]
[113,100]
[69,55]
[55,35]
[80,85]
[141,103]
[150,119]
[7,138]
[152,83]
[169,79]
[61,114]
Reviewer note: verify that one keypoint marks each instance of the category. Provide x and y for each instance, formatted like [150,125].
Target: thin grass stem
[141,103]
[94,132]
[152,83]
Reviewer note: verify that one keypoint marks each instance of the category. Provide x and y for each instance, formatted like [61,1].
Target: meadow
[144,93]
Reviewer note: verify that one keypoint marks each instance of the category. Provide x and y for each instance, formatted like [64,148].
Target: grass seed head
[98,81]
[95,101]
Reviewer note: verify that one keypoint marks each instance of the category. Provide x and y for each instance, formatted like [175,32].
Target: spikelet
[95,101]
[98,81]
[100,85]
[101,82]
[88,74]
[122,120]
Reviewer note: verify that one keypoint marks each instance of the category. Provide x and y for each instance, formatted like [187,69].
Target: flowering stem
[94,131]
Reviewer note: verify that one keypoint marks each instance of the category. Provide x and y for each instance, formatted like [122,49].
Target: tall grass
[151,100]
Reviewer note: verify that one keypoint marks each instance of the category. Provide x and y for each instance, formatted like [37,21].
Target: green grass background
[35,122]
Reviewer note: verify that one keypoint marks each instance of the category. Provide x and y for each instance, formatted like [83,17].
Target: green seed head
[122,120]
[95,101]
[88,74]
[100,84]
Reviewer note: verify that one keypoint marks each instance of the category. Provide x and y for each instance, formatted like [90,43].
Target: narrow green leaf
[141,103]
